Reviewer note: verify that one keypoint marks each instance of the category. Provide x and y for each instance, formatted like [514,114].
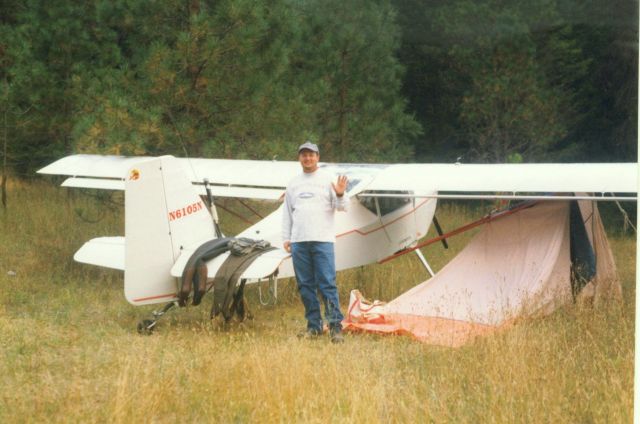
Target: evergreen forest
[369,80]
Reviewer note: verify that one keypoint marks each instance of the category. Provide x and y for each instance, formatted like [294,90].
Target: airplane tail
[163,215]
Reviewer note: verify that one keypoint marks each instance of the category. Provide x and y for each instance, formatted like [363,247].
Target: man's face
[309,160]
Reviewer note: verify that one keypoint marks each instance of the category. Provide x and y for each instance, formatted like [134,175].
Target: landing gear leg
[424,262]
[146,326]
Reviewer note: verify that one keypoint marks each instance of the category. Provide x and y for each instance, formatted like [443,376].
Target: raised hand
[341,186]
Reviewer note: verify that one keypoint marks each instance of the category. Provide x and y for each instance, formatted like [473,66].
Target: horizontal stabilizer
[262,267]
[103,251]
[265,264]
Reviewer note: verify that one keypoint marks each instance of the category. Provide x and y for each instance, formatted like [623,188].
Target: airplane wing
[254,179]
[268,179]
[522,181]
[226,177]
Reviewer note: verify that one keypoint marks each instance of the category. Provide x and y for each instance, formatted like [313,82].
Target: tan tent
[516,266]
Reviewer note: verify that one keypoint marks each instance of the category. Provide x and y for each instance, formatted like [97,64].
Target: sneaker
[309,334]
[336,338]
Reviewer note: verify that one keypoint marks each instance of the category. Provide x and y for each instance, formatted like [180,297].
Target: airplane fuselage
[363,235]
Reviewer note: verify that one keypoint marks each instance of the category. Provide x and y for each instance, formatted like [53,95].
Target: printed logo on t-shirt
[305,195]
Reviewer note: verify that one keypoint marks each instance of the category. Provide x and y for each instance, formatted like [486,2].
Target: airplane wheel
[145,327]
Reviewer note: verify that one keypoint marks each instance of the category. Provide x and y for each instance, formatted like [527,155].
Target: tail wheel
[146,326]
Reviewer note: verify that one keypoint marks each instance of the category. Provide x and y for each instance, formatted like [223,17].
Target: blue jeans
[315,268]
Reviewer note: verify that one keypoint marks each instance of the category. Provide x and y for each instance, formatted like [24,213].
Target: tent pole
[636,369]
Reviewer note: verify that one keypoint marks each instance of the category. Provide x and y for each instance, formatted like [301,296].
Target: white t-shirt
[309,206]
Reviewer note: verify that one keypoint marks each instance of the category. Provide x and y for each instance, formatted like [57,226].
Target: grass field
[69,351]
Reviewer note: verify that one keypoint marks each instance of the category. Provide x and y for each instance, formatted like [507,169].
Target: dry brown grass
[69,351]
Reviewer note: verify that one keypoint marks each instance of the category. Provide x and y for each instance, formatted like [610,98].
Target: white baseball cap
[307,145]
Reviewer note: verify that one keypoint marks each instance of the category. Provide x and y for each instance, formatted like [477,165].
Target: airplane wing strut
[483,220]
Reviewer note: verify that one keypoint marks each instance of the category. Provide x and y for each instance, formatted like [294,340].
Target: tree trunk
[3,185]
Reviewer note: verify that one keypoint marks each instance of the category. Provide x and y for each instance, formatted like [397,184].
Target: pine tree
[352,80]
[204,79]
[509,102]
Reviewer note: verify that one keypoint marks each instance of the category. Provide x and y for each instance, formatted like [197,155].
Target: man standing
[308,234]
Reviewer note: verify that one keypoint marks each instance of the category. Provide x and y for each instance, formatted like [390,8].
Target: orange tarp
[516,266]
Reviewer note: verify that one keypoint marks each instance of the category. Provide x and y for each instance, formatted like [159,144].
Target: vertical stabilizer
[163,214]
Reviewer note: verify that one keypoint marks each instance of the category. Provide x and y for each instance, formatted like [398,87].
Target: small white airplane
[391,209]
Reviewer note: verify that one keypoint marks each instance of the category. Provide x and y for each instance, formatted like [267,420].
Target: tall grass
[69,351]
